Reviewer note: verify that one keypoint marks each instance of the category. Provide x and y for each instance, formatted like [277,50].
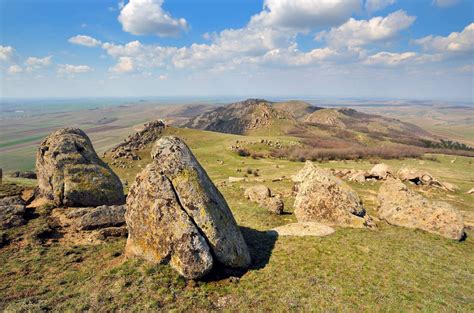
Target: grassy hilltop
[389,269]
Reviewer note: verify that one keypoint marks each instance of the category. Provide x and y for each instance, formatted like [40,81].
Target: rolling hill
[301,119]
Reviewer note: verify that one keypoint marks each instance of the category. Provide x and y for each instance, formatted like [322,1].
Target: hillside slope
[367,123]
[238,118]
[300,119]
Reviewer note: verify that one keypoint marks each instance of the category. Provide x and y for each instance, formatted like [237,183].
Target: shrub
[243,152]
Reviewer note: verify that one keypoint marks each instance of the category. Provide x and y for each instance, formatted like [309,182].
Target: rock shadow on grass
[260,245]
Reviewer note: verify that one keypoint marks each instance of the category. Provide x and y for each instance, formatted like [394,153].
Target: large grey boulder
[326,199]
[71,174]
[400,206]
[176,214]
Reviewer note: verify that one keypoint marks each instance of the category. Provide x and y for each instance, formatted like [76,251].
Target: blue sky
[350,48]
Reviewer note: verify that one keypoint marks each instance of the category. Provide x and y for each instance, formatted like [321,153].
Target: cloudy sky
[336,48]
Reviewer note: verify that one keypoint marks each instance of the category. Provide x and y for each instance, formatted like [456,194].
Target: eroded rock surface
[90,225]
[381,172]
[324,198]
[263,196]
[99,217]
[71,174]
[12,212]
[421,177]
[176,214]
[150,132]
[400,206]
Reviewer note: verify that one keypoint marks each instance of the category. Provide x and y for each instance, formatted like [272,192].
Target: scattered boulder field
[383,172]
[174,213]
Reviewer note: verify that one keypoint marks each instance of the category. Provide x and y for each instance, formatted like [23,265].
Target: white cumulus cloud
[6,53]
[456,42]
[356,33]
[394,59]
[69,69]
[34,63]
[147,17]
[124,65]
[84,40]
[15,69]
[38,62]
[305,14]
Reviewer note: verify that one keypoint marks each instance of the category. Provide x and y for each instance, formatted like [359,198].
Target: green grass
[388,269]
[20,141]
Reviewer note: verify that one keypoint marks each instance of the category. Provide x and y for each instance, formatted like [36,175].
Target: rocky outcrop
[400,206]
[175,214]
[350,119]
[381,172]
[238,118]
[150,133]
[262,195]
[12,212]
[324,198]
[421,177]
[71,174]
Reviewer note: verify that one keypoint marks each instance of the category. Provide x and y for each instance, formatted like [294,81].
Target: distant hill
[304,120]
[351,119]
[238,118]
[297,109]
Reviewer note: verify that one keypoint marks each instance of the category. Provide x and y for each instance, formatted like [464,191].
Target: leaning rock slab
[400,206]
[176,214]
[71,174]
[324,198]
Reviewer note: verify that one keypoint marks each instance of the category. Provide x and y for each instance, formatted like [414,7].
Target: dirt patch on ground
[304,229]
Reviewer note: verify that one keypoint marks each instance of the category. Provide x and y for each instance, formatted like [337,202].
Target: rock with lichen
[71,174]
[263,196]
[12,212]
[175,214]
[400,206]
[324,198]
